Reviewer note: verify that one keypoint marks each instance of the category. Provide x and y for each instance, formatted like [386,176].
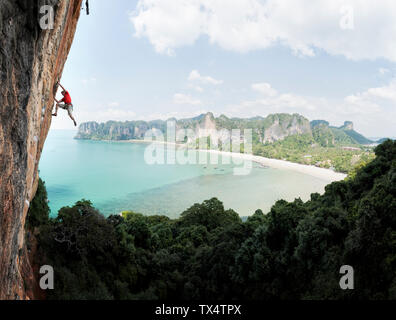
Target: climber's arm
[62,87]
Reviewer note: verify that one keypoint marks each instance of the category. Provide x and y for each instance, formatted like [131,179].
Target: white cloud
[358,104]
[367,109]
[104,115]
[373,110]
[270,99]
[387,92]
[383,71]
[161,22]
[180,98]
[113,104]
[195,87]
[372,100]
[88,81]
[173,114]
[244,25]
[264,88]
[198,88]
[195,76]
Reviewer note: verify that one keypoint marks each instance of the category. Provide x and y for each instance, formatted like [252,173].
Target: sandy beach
[321,173]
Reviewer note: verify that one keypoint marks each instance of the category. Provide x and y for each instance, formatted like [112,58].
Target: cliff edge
[31,62]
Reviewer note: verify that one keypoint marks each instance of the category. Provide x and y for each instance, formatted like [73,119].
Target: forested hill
[281,136]
[268,129]
[295,251]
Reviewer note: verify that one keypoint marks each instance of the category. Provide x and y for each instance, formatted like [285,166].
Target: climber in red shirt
[67,104]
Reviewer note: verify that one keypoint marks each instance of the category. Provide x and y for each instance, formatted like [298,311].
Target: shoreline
[321,173]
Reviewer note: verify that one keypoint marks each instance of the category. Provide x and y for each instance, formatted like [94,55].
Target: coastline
[321,173]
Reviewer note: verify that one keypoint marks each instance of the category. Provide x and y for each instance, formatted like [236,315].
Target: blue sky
[154,59]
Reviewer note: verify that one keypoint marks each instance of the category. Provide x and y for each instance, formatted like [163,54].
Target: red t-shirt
[66,98]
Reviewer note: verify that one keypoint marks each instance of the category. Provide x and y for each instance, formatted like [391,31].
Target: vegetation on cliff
[293,252]
[306,150]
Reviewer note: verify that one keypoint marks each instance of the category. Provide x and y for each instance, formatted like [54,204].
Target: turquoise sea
[115,177]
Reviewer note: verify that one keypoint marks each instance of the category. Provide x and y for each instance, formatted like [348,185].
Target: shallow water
[115,177]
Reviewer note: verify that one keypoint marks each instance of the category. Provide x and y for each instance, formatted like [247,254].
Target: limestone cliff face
[270,129]
[31,62]
[112,130]
[285,126]
[348,125]
[88,128]
[207,126]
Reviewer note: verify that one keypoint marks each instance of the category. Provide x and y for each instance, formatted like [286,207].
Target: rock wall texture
[279,129]
[31,62]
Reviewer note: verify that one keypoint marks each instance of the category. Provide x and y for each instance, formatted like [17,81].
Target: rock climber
[67,104]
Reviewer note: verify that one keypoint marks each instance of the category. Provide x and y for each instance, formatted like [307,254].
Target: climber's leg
[69,111]
[59,105]
[56,110]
